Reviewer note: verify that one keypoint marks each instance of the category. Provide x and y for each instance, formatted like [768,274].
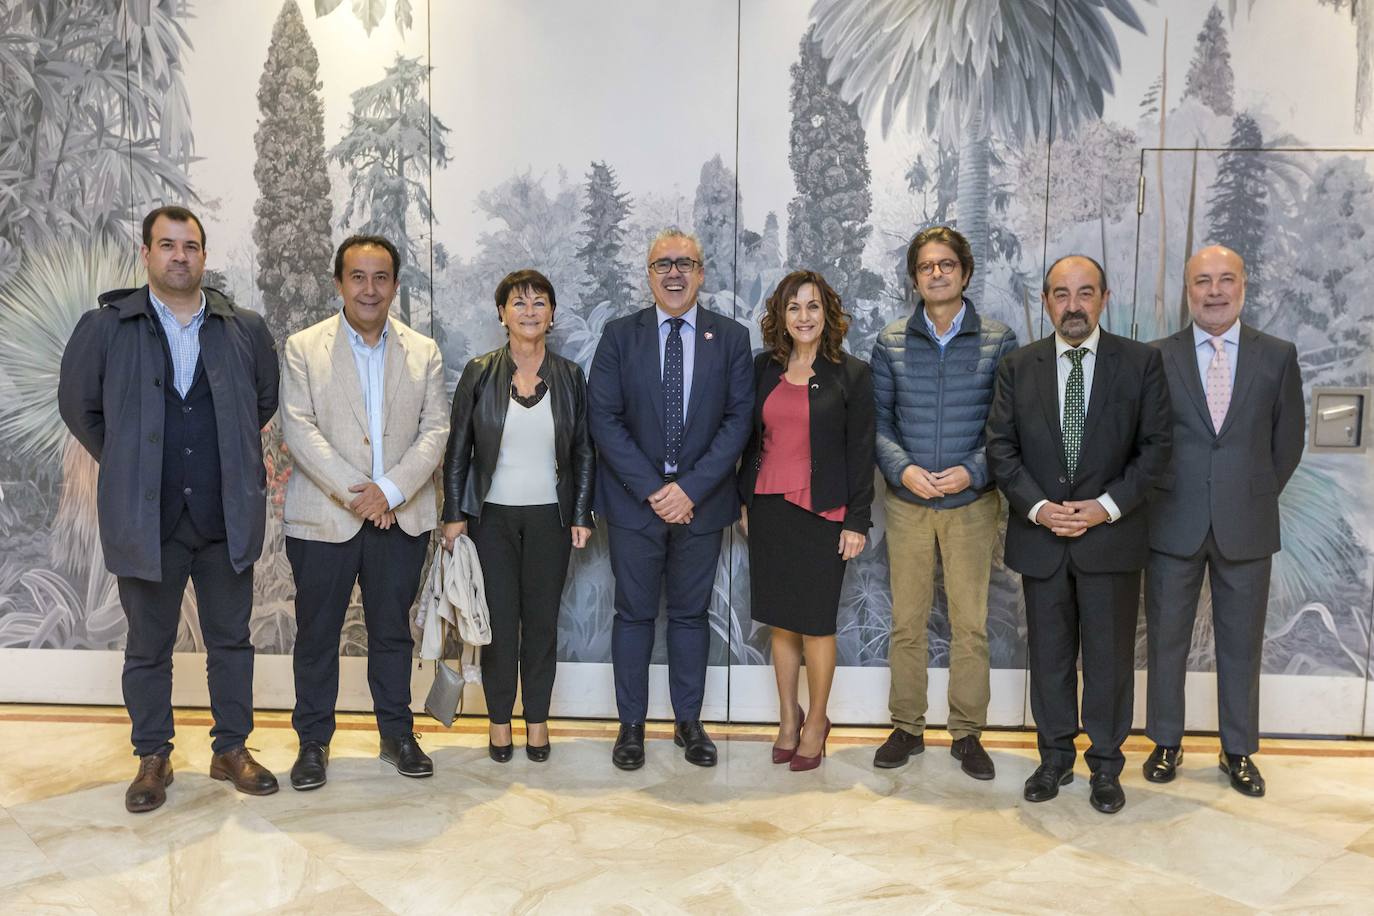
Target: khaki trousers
[964,538]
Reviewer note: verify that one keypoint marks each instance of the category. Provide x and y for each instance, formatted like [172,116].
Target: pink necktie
[1218,384]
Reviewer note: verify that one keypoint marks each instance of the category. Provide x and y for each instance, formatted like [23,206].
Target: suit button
[1063,480]
[150,494]
[187,491]
[186,451]
[1215,446]
[152,437]
[185,410]
[157,383]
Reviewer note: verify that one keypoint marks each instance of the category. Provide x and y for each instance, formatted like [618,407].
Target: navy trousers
[647,563]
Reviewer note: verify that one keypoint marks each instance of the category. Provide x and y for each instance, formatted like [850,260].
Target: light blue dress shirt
[1202,343]
[689,352]
[944,339]
[182,340]
[371,364]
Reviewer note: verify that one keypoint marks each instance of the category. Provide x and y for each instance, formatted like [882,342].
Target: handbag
[445,698]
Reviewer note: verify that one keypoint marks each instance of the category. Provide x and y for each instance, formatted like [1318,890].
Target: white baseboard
[1289,704]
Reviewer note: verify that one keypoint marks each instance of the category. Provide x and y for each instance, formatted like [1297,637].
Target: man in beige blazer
[365,419]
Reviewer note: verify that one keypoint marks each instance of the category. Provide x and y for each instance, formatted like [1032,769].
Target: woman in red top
[806,479]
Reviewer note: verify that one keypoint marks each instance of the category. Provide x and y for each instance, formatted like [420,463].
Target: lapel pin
[708,335]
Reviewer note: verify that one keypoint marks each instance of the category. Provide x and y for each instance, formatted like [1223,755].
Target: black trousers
[1240,601]
[386,565]
[524,552]
[1096,612]
[224,602]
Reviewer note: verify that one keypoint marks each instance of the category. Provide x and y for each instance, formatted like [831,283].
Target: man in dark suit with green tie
[1077,436]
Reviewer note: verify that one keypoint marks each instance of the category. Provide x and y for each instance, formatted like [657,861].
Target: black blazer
[842,430]
[479,418]
[1125,450]
[1229,480]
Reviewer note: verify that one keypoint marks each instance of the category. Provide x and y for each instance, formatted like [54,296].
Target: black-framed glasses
[663,265]
[946,265]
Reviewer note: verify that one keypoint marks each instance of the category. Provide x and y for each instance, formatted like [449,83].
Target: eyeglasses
[663,265]
[946,265]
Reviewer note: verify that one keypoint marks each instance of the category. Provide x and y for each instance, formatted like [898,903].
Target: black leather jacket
[479,418]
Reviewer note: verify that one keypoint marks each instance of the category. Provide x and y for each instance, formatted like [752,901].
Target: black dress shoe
[537,752]
[1245,776]
[898,749]
[405,755]
[501,753]
[973,760]
[1162,764]
[1044,783]
[309,769]
[149,789]
[1106,795]
[701,750]
[628,751]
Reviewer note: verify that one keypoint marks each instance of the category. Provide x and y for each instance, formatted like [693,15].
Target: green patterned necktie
[1073,410]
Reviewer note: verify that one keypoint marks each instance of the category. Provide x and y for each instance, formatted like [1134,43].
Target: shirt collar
[954,325]
[166,312]
[356,339]
[1062,346]
[689,316]
[1231,335]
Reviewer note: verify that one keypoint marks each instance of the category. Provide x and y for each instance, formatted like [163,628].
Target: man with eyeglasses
[670,404]
[933,377]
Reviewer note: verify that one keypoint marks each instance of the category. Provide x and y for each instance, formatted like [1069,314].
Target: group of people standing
[1114,457]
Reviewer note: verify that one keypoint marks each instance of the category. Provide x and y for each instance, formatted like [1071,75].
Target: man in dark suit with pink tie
[1238,432]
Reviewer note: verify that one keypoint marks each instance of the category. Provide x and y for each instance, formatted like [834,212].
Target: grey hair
[673,232]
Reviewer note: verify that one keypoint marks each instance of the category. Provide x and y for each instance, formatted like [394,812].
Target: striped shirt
[182,340]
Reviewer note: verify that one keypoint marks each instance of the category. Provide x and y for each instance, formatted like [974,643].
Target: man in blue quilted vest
[933,377]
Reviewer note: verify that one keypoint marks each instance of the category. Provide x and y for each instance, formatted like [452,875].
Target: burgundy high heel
[800,762]
[783,755]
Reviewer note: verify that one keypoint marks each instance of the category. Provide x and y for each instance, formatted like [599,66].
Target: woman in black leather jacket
[518,472]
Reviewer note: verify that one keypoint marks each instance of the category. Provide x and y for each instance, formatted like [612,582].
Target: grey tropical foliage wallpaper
[497,135]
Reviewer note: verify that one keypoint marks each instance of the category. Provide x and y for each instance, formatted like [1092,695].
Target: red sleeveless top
[785,463]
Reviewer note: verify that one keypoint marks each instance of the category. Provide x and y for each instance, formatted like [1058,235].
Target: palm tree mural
[971,71]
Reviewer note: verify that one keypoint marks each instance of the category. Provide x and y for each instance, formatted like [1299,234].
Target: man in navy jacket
[933,378]
[670,403]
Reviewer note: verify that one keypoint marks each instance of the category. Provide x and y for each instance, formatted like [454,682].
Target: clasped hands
[1071,518]
[934,484]
[671,504]
[372,505]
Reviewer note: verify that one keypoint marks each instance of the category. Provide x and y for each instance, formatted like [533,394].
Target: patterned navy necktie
[1073,410]
[672,389]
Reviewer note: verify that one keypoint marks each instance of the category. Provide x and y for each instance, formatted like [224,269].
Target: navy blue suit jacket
[625,412]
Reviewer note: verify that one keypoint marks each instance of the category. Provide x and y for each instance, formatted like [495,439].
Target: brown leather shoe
[247,775]
[149,789]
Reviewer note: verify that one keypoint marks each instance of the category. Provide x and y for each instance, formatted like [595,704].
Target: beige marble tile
[49,895]
[798,876]
[21,860]
[1345,884]
[1227,855]
[1363,844]
[348,900]
[1071,879]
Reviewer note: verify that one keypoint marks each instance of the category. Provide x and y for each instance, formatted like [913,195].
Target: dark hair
[527,279]
[176,215]
[359,241]
[773,324]
[946,236]
[1101,273]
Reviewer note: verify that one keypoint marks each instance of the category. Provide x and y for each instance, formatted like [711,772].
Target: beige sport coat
[324,421]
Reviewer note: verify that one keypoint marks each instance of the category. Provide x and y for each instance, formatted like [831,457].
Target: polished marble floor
[574,835]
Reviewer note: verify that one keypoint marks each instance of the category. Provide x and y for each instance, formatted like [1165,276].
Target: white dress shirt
[1063,367]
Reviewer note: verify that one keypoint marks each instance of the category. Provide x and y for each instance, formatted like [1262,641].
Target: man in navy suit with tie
[670,404]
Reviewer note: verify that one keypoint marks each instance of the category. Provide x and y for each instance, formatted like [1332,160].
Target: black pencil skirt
[795,570]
